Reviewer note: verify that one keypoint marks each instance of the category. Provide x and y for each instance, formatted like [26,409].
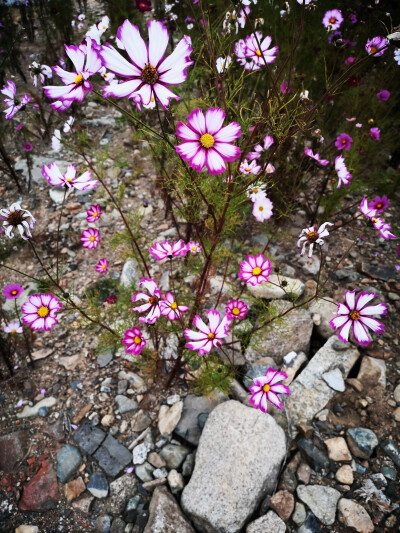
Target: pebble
[175,481]
[156,460]
[174,455]
[345,475]
[337,449]
[140,453]
[68,460]
[282,502]
[303,474]
[299,515]
[103,524]
[144,471]
[125,404]
[396,414]
[168,418]
[105,358]
[27,529]
[396,393]
[98,485]
[355,516]
[335,380]
[392,450]
[107,420]
[321,500]
[362,442]
[74,488]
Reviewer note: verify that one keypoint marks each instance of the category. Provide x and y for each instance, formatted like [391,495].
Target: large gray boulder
[237,464]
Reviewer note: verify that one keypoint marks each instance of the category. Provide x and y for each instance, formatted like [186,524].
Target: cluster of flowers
[165,250]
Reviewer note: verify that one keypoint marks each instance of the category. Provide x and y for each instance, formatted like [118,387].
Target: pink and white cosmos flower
[13,327]
[245,61]
[39,72]
[102,266]
[207,337]
[257,49]
[134,341]
[310,153]
[193,247]
[13,103]
[53,175]
[90,238]
[266,389]
[332,19]
[377,46]
[312,236]
[170,308]
[344,175]
[236,309]
[262,209]
[206,142]
[93,213]
[148,73]
[165,250]
[356,314]
[152,301]
[255,270]
[258,149]
[366,209]
[256,192]
[249,168]
[40,311]
[384,229]
[86,62]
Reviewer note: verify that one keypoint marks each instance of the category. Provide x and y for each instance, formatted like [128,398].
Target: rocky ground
[106,449]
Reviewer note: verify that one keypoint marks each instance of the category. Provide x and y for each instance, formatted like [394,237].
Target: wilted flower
[377,46]
[375,133]
[40,72]
[266,389]
[332,19]
[53,175]
[356,314]
[152,301]
[256,192]
[13,327]
[236,309]
[206,141]
[344,175]
[56,141]
[165,250]
[90,238]
[343,141]
[312,236]
[134,341]
[149,73]
[352,18]
[170,308]
[262,209]
[40,311]
[93,213]
[285,88]
[350,60]
[13,291]
[16,217]
[383,96]
[208,336]
[13,103]
[223,63]
[97,30]
[255,270]
[396,56]
[310,153]
[102,266]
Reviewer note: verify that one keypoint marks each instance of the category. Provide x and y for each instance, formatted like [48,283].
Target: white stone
[269,523]
[321,500]
[140,453]
[354,516]
[175,481]
[337,449]
[335,380]
[168,418]
[345,475]
[33,411]
[270,291]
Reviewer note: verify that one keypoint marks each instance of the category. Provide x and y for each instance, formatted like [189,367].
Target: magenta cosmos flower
[343,141]
[13,103]
[40,311]
[236,309]
[356,314]
[170,308]
[312,236]
[375,133]
[93,213]
[208,336]
[193,247]
[102,266]
[165,250]
[383,96]
[152,300]
[255,270]
[206,142]
[28,147]
[90,238]
[13,327]
[332,19]
[54,177]
[258,49]
[344,176]
[143,5]
[310,153]
[13,291]
[377,46]
[134,341]
[379,204]
[266,389]
[86,62]
[148,73]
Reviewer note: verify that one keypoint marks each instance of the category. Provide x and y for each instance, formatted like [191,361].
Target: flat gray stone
[104,359]
[98,485]
[193,406]
[165,515]
[68,460]
[321,500]
[354,516]
[237,463]
[112,456]
[269,523]
[174,455]
[270,290]
[130,275]
[309,391]
[89,437]
[335,380]
[121,491]
[125,404]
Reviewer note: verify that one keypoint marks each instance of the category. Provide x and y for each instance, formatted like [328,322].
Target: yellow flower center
[95,213]
[43,311]
[235,311]
[374,220]
[68,179]
[13,331]
[78,79]
[256,271]
[255,191]
[92,238]
[149,74]
[207,141]
[355,315]
[258,53]
[312,236]
[373,49]
[379,205]
[137,340]
[332,20]
[103,266]
[266,388]
[174,305]
[211,336]
[14,292]
[194,248]
[344,141]
[261,208]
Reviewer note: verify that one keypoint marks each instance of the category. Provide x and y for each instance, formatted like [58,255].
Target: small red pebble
[31,460]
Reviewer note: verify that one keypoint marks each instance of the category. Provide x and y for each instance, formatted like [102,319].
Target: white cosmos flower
[16,217]
[223,63]
[312,236]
